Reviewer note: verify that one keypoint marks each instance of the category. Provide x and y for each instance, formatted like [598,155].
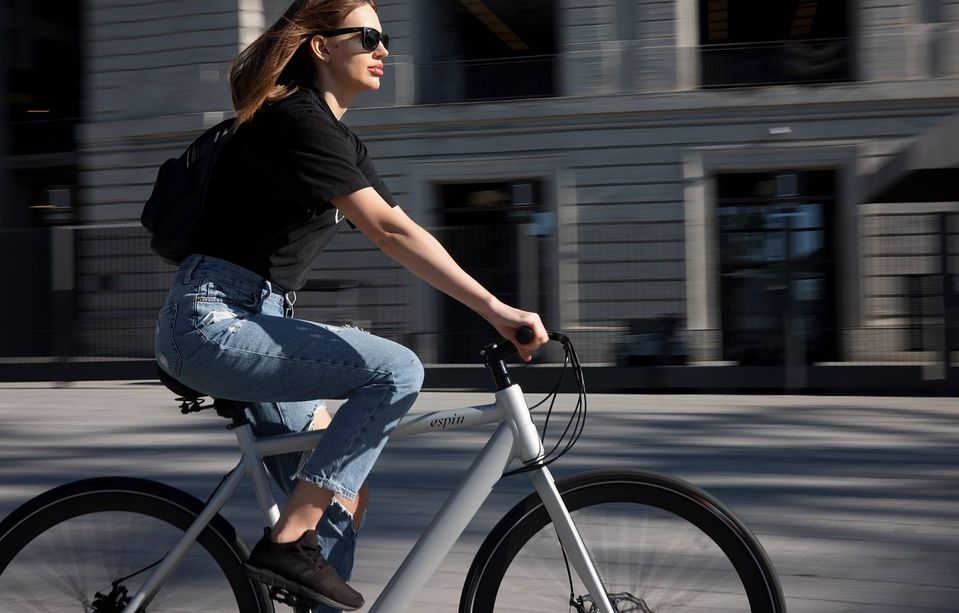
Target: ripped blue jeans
[223,331]
[337,530]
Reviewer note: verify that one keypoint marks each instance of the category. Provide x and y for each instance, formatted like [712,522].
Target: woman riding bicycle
[291,174]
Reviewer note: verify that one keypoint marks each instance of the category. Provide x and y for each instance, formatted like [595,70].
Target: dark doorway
[495,49]
[777,267]
[485,227]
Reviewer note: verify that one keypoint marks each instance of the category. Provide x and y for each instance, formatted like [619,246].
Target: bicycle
[607,542]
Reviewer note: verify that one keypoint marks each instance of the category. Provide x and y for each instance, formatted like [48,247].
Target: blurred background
[706,194]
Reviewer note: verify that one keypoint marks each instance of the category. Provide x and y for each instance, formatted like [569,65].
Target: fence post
[793,341]
[63,288]
[947,323]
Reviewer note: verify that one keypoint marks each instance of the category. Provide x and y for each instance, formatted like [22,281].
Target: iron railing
[823,60]
[487,79]
[97,300]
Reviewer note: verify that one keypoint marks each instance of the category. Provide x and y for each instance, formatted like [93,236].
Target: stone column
[666,54]
[939,25]
[888,41]
[590,52]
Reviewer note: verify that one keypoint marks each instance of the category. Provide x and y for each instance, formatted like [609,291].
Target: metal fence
[823,60]
[86,294]
[92,294]
[27,315]
[908,306]
[910,290]
[487,79]
[120,285]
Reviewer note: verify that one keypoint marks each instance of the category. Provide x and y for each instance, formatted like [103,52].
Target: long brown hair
[276,63]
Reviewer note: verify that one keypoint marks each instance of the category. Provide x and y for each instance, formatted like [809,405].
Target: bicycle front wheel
[659,545]
[88,546]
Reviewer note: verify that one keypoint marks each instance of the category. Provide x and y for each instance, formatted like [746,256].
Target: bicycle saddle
[192,401]
[180,389]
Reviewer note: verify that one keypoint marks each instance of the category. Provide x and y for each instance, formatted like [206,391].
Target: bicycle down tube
[514,438]
[172,559]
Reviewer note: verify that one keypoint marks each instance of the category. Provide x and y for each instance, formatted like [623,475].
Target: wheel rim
[693,550]
[648,559]
[66,566]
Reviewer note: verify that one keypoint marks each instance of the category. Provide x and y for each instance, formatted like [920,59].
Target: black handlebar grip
[525,335]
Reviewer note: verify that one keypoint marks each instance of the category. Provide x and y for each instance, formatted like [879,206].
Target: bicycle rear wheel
[659,544]
[89,545]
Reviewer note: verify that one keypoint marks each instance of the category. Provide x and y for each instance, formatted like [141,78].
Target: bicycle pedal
[285,596]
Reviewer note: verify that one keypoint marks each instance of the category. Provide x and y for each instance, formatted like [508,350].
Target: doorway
[492,229]
[777,267]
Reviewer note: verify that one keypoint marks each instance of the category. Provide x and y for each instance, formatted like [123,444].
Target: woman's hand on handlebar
[507,320]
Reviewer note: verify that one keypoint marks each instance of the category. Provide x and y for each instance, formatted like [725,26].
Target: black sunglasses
[371,37]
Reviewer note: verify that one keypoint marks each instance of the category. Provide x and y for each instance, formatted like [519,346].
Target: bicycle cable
[577,421]
[116,583]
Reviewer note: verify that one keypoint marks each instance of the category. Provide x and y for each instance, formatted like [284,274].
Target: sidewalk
[854,498]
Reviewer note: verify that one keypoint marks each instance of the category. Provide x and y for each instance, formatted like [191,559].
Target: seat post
[232,410]
[257,471]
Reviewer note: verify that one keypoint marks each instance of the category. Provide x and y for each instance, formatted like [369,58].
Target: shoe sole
[270,578]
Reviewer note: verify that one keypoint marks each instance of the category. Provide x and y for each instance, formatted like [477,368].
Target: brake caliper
[114,602]
[623,602]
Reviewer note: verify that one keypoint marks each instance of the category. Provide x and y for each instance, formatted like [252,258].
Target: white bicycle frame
[515,438]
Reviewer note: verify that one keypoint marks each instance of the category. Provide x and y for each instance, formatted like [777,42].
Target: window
[486,50]
[757,42]
[41,60]
[44,78]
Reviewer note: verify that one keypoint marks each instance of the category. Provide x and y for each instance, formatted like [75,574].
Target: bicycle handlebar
[525,335]
[494,355]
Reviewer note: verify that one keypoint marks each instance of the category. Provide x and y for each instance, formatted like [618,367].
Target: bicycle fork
[529,447]
[570,538]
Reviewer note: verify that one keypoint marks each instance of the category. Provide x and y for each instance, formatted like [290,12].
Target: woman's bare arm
[401,238]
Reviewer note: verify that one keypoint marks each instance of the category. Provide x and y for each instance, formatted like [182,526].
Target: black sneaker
[301,569]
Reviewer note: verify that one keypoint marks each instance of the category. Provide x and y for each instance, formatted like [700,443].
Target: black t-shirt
[269,207]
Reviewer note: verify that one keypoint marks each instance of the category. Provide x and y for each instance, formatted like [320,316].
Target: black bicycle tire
[667,493]
[157,500]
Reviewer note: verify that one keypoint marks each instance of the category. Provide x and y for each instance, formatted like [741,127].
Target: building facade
[672,181]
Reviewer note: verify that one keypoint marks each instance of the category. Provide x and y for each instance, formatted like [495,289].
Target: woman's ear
[318,48]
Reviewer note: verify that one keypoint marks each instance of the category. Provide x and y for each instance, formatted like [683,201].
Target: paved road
[855,499]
